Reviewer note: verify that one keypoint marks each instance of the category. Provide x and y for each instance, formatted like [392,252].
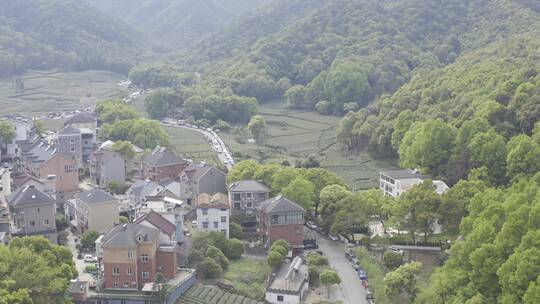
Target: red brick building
[280,218]
[160,164]
[133,255]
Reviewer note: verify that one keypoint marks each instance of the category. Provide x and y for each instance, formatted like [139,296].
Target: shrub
[235,231]
[209,269]
[280,249]
[88,240]
[235,249]
[283,243]
[274,259]
[218,256]
[392,259]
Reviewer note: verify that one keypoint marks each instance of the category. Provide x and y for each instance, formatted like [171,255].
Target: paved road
[353,291]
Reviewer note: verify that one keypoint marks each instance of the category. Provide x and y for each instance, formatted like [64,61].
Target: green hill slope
[63,34]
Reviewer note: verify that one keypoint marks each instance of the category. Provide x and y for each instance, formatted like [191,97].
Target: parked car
[333,237]
[311,225]
[362,274]
[90,258]
[311,245]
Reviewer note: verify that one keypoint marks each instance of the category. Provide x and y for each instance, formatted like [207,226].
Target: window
[249,205]
[205,211]
[46,222]
[236,197]
[71,140]
[216,224]
[129,271]
[38,210]
[116,271]
[144,257]
[126,285]
[248,195]
[223,219]
[145,275]
[130,255]
[224,210]
[32,223]
[280,298]
[115,284]
[72,149]
[236,206]
[224,231]
[205,225]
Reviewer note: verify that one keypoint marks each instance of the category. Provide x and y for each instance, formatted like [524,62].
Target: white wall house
[213,213]
[290,284]
[396,182]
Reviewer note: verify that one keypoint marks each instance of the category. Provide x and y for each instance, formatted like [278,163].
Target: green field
[191,144]
[294,135]
[47,91]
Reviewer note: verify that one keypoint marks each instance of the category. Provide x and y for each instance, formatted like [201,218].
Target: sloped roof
[28,196]
[96,196]
[158,221]
[248,185]
[166,182]
[218,200]
[143,187]
[125,235]
[280,204]
[39,152]
[69,130]
[196,170]
[161,156]
[104,155]
[81,118]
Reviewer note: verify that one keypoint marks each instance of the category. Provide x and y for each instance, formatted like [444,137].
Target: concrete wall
[212,182]
[102,217]
[113,170]
[271,297]
[66,180]
[292,233]
[213,215]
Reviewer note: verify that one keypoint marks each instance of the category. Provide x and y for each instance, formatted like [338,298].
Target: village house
[213,213]
[93,210]
[280,218]
[141,189]
[69,142]
[32,212]
[107,166]
[245,197]
[396,182]
[160,164]
[290,284]
[133,255]
[200,178]
[23,132]
[43,161]
[82,120]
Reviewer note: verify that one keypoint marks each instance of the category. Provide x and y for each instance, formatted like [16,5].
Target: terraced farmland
[200,294]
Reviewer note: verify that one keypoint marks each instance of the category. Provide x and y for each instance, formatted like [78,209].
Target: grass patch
[248,277]
[191,144]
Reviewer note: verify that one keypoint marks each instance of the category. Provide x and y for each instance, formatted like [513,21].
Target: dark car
[362,274]
[311,245]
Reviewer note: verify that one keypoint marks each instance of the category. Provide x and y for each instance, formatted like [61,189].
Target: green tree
[427,145]
[7,133]
[160,286]
[489,150]
[88,239]
[392,259]
[523,156]
[347,82]
[160,103]
[142,132]
[300,191]
[274,259]
[330,196]
[235,231]
[295,97]
[417,209]
[329,277]
[403,123]
[243,170]
[209,268]
[257,127]
[282,250]
[234,249]
[61,222]
[321,178]
[125,149]
[218,256]
[111,111]
[39,126]
[282,243]
[283,178]
[403,280]
[123,220]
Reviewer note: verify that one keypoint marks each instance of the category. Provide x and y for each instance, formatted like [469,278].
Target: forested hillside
[177,23]
[44,34]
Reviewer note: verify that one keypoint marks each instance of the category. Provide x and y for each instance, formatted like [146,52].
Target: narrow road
[352,288]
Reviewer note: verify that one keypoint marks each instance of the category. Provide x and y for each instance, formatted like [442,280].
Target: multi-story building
[69,142]
[213,213]
[133,255]
[142,189]
[245,197]
[290,284]
[32,212]
[160,164]
[200,178]
[93,210]
[280,218]
[396,182]
[107,166]
[88,144]
[23,131]
[82,120]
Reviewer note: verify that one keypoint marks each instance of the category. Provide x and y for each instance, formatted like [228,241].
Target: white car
[392,248]
[90,258]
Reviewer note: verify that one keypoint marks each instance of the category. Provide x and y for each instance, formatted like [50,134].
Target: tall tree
[258,128]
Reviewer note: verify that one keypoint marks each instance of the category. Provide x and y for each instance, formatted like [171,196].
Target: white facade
[282,298]
[213,219]
[395,187]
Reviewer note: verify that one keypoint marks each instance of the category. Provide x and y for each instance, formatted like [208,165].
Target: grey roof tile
[280,204]
[96,196]
[126,235]
[248,185]
[27,196]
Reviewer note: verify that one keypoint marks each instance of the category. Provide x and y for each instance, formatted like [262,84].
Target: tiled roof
[81,118]
[128,236]
[218,200]
[69,130]
[161,156]
[280,204]
[158,221]
[96,196]
[248,185]
[144,187]
[27,196]
[196,170]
